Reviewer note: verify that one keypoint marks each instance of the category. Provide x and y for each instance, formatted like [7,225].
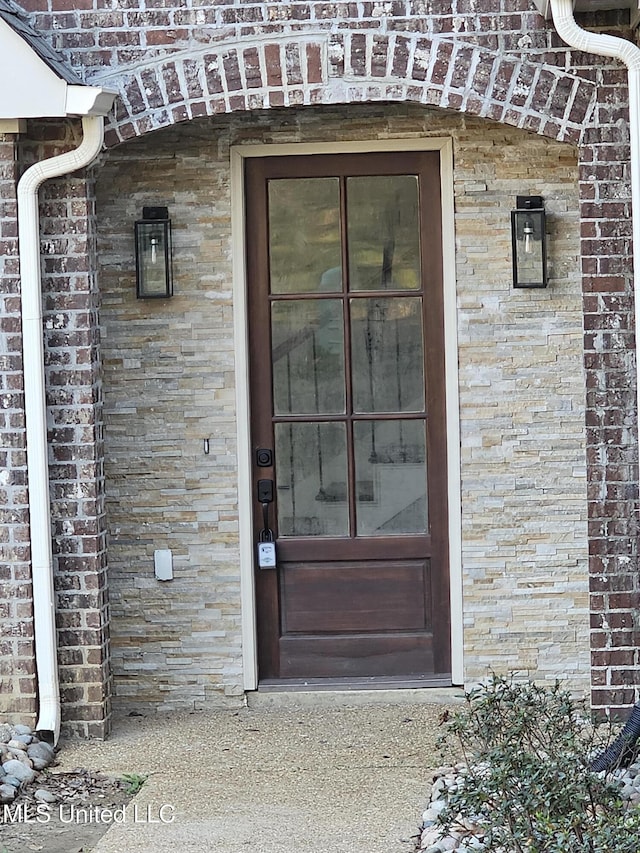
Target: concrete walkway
[293,774]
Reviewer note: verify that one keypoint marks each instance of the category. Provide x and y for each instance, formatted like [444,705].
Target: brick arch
[324,68]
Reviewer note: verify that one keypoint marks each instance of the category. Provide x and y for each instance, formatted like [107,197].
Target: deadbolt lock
[264,457]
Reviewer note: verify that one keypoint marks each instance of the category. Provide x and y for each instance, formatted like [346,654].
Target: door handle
[266,543]
[267,533]
[265,491]
[265,497]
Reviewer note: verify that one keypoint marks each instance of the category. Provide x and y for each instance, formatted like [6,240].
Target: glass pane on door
[387,354]
[307,353]
[391,457]
[311,473]
[372,471]
[304,235]
[383,232]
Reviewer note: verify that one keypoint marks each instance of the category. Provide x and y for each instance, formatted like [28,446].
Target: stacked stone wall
[521,380]
[170,382]
[170,386]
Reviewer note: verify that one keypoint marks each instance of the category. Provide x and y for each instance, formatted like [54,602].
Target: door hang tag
[266,555]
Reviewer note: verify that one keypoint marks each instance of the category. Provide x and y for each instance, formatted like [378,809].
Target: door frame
[238,154]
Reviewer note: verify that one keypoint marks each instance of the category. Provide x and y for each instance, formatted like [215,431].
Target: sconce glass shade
[154,277]
[529,242]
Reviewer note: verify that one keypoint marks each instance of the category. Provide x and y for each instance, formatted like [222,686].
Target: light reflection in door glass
[391,455]
[387,354]
[383,232]
[304,235]
[311,473]
[307,352]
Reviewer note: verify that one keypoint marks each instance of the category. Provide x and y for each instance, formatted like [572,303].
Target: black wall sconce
[529,242]
[154,274]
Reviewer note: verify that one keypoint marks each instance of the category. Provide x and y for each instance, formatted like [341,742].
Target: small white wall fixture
[163,564]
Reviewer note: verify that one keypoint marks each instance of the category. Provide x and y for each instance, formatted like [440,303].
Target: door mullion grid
[346,314]
[366,416]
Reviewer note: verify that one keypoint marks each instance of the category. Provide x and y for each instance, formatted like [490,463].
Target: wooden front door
[348,416]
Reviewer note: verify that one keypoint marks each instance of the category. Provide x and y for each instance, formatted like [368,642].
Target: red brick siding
[17,668]
[76,459]
[376,67]
[611,417]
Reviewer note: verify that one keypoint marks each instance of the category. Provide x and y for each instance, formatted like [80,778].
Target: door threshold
[325,693]
[292,685]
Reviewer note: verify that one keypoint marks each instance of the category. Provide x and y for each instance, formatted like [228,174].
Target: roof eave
[32,88]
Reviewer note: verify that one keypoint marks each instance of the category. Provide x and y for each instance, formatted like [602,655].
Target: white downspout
[36,415]
[627,52]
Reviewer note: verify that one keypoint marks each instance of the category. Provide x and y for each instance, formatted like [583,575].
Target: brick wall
[170,382]
[174,64]
[72,371]
[116,37]
[316,68]
[17,667]
[610,362]
[482,62]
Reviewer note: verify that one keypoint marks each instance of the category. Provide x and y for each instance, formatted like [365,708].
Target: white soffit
[31,89]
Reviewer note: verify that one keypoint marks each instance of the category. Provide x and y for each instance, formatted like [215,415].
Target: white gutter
[627,52]
[36,414]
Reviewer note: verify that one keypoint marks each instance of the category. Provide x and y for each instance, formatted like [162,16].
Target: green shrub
[527,784]
[133,782]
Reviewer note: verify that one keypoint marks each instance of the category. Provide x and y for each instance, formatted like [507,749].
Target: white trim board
[239,153]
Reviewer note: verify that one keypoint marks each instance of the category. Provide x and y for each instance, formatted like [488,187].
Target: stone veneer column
[17,667]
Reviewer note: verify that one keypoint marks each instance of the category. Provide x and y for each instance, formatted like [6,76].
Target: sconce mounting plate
[529,202]
[154,213]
